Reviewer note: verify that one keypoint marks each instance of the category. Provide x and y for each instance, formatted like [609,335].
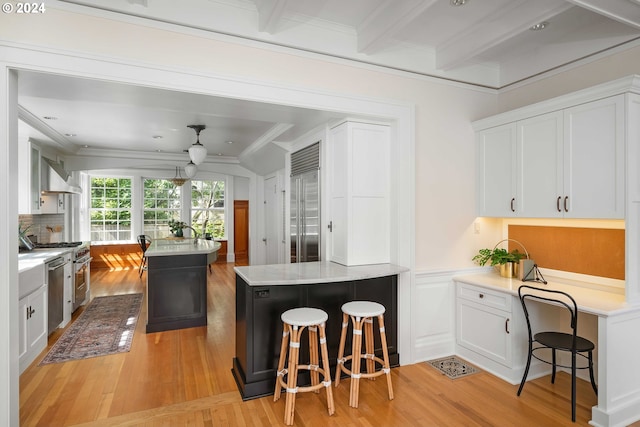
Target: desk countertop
[591,299]
[305,273]
[168,247]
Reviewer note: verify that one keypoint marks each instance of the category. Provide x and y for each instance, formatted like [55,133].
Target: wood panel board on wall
[592,251]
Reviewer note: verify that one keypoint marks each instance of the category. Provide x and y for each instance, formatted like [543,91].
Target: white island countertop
[168,247]
[591,298]
[305,273]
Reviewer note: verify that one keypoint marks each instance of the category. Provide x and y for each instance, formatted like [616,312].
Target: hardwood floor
[183,378]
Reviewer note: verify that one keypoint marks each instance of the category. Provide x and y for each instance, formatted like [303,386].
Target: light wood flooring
[183,378]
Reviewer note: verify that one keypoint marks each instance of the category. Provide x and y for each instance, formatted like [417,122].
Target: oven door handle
[84,260]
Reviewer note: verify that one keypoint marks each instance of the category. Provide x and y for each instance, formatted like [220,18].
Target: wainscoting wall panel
[434,315]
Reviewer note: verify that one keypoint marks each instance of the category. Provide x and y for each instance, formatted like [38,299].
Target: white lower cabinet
[490,330]
[33,325]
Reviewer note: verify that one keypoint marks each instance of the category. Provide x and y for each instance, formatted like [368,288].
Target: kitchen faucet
[196,235]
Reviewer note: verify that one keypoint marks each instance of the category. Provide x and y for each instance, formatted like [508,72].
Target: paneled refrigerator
[305,205]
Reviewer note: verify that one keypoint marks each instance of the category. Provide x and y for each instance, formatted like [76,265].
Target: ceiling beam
[495,29]
[386,21]
[624,11]
[35,122]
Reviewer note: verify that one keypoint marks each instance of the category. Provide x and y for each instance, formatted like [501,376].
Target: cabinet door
[359,186]
[29,182]
[539,178]
[53,204]
[23,310]
[496,150]
[37,327]
[484,330]
[594,159]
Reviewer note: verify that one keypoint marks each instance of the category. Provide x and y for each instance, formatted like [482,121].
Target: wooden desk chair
[144,241]
[557,341]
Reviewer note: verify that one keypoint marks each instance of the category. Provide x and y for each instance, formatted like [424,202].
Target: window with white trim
[110,211]
[207,208]
[161,201]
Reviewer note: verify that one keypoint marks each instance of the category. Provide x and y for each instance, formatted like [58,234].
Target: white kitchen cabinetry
[53,204]
[497,171]
[359,183]
[567,163]
[32,307]
[484,322]
[29,200]
[594,159]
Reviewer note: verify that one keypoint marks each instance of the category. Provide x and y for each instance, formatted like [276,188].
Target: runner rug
[453,367]
[106,326]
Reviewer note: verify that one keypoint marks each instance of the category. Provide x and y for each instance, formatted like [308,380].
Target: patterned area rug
[105,327]
[453,367]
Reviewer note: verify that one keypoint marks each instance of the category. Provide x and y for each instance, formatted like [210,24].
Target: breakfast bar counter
[177,282]
[264,292]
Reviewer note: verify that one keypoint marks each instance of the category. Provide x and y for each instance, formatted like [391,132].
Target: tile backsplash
[39,224]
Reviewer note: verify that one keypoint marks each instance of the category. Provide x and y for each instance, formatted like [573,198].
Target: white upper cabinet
[594,159]
[540,176]
[567,163]
[497,171]
[29,200]
[53,204]
[359,184]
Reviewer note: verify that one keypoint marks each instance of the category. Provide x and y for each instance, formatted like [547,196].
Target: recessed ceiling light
[70,134]
[229,142]
[157,137]
[85,146]
[158,151]
[50,118]
[539,26]
[458,2]
[219,154]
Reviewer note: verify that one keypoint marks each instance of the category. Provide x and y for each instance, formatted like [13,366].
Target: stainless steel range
[81,267]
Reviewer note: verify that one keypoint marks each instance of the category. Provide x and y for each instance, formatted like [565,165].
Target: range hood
[54,179]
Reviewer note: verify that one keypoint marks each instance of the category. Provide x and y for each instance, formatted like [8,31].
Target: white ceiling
[484,42]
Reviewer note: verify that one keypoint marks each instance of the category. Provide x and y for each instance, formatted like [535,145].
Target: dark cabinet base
[176,292]
[259,328]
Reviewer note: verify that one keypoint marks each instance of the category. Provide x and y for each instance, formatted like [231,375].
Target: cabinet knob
[481,296]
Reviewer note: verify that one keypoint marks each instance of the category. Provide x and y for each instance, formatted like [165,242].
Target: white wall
[241,188]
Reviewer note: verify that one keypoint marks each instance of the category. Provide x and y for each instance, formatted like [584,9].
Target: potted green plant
[176,227]
[505,261]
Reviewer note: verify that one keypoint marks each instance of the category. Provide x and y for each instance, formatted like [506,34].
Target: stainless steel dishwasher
[55,280]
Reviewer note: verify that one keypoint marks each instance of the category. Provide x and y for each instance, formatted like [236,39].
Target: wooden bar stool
[362,314]
[294,322]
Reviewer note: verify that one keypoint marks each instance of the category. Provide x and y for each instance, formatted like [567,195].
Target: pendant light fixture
[197,152]
[191,169]
[178,180]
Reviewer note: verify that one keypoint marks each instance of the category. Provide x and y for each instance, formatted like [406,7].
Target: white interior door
[271,223]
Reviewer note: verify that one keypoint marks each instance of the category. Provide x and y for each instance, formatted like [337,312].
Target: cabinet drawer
[484,296]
